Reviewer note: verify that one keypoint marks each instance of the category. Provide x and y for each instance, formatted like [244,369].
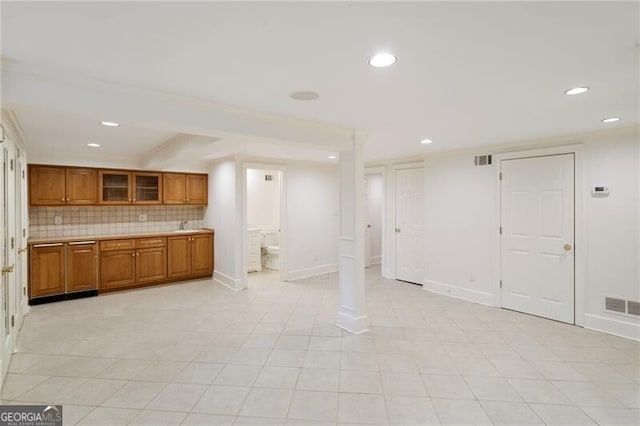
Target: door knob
[567,247]
[397,230]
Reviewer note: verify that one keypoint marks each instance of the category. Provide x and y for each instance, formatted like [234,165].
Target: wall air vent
[482,160]
[615,305]
[268,178]
[633,308]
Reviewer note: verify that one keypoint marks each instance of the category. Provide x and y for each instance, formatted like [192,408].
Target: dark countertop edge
[32,241]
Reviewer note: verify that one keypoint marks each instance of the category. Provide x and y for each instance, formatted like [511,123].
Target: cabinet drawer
[117,245]
[151,242]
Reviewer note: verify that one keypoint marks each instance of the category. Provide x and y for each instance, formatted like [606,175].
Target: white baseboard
[234,284]
[613,326]
[354,325]
[376,260]
[298,274]
[457,292]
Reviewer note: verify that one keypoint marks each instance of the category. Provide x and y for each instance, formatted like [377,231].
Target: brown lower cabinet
[145,263]
[60,268]
[190,255]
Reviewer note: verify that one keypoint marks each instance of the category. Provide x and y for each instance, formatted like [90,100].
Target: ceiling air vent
[633,308]
[482,160]
[268,178]
[615,305]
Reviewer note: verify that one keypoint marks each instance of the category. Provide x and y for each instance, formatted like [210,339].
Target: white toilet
[270,247]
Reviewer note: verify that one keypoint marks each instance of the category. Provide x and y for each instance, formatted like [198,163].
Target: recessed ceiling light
[109,123]
[382,60]
[332,157]
[94,145]
[304,95]
[426,141]
[577,90]
[610,119]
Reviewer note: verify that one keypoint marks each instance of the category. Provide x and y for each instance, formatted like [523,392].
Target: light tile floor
[199,354]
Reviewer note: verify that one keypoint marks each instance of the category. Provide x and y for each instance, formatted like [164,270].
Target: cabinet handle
[134,200]
[133,255]
[187,200]
[62,199]
[184,199]
[48,245]
[81,242]
[67,200]
[129,199]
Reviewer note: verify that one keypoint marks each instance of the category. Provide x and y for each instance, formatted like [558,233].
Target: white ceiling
[468,74]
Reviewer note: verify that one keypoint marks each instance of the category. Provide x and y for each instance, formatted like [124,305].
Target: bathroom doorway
[264,242]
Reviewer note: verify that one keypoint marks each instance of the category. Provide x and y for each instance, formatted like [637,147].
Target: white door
[7,284]
[409,227]
[21,217]
[537,219]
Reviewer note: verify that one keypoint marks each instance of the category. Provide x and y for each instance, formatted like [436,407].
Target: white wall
[612,227]
[312,219]
[263,199]
[461,247]
[224,214]
[373,213]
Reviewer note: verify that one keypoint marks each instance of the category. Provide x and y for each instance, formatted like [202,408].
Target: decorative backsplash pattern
[107,220]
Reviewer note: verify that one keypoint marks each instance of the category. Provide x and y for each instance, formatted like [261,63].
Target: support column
[352,311]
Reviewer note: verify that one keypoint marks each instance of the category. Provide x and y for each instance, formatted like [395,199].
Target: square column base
[354,325]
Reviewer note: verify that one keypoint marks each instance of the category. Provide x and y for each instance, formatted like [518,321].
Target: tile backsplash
[105,220]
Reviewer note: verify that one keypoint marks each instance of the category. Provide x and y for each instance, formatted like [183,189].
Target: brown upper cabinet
[180,188]
[123,187]
[59,186]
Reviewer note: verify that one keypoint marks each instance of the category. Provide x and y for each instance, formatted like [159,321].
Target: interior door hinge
[11,164]
[501,230]
[13,320]
[500,283]
[13,243]
[500,175]
[24,291]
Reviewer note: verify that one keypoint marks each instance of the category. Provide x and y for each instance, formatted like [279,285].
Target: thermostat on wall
[600,191]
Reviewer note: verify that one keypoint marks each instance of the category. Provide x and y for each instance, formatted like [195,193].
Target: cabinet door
[46,186]
[115,187]
[173,188]
[178,262]
[47,270]
[201,255]
[82,186]
[151,264]
[117,269]
[196,189]
[82,267]
[147,188]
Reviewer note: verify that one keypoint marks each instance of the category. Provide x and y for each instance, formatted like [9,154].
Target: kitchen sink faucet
[183,224]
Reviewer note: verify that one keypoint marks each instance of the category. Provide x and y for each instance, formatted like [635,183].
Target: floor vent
[482,160]
[633,308]
[615,305]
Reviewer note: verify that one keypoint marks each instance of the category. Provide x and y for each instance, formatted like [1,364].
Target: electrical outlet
[57,220]
[142,218]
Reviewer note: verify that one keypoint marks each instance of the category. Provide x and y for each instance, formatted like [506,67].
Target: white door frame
[390,266]
[283,216]
[383,171]
[580,247]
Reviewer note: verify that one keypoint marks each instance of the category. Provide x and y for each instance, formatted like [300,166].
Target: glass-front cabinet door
[115,187]
[148,187]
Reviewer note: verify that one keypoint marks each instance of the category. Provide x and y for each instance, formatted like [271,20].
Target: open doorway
[264,212]
[374,209]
